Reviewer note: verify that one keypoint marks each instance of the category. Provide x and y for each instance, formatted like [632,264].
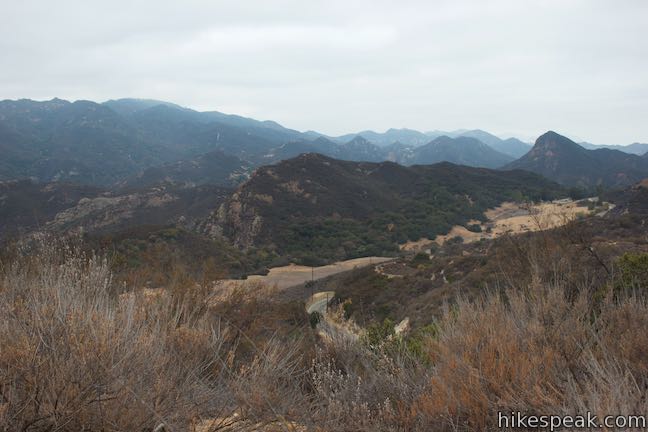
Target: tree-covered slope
[316,208]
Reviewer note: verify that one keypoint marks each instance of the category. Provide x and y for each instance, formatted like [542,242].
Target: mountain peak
[550,135]
[552,141]
[559,158]
[461,150]
[359,139]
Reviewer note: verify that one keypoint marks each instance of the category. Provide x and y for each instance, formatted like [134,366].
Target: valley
[323,216]
[222,257]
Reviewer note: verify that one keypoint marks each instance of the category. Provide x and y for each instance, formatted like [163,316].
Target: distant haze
[516,68]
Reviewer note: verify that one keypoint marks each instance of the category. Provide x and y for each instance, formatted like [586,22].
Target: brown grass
[535,352]
[77,356]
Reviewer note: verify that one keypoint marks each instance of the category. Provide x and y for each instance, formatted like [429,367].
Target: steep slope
[81,141]
[314,208]
[216,168]
[405,136]
[358,149]
[560,159]
[190,133]
[632,200]
[398,152]
[460,150]
[129,106]
[195,131]
[295,148]
[361,150]
[512,146]
[26,205]
[58,207]
[17,155]
[159,206]
[101,144]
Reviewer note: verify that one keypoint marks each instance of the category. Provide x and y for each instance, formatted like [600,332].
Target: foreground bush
[78,353]
[76,357]
[535,349]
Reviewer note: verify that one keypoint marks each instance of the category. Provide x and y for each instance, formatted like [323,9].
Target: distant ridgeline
[138,143]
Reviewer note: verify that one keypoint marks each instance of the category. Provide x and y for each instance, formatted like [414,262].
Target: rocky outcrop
[237,220]
[92,214]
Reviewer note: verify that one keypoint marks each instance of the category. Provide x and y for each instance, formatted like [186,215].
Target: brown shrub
[74,357]
[538,350]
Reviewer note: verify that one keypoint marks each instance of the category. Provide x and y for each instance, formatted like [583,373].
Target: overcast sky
[512,67]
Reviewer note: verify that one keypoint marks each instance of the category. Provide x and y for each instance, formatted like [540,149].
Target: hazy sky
[513,67]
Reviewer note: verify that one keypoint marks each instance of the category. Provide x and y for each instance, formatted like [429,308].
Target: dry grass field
[509,218]
[292,275]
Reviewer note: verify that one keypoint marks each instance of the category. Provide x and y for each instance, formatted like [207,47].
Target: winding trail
[328,328]
[319,302]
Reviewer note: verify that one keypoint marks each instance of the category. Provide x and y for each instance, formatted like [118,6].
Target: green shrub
[633,270]
[476,228]
[314,319]
[378,333]
[417,341]
[455,240]
[420,258]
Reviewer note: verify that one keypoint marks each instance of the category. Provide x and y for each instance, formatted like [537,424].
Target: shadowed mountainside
[315,207]
[560,159]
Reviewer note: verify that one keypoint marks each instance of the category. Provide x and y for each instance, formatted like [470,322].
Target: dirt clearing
[510,218]
[291,275]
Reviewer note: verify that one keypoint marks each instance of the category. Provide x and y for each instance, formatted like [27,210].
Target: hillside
[560,159]
[314,208]
[216,168]
[26,205]
[158,206]
[417,287]
[59,208]
[406,136]
[638,149]
[633,200]
[512,147]
[81,142]
[102,144]
[461,150]
[121,140]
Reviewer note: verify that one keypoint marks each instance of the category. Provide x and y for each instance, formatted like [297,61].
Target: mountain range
[140,143]
[639,149]
[121,140]
[512,147]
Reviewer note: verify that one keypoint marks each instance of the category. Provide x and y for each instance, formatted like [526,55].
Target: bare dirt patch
[514,218]
[509,218]
[291,275]
[418,245]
